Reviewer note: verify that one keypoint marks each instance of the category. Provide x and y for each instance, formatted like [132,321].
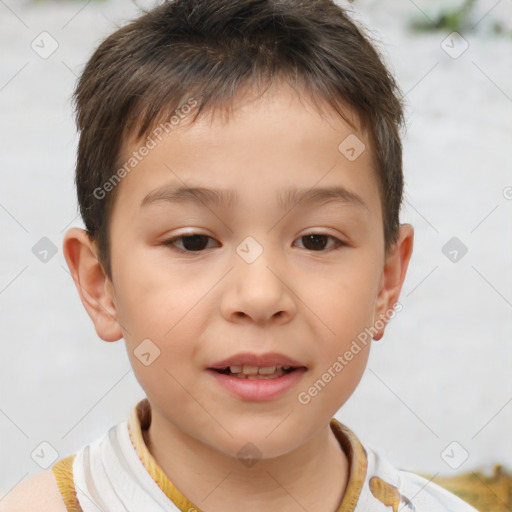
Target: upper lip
[259,360]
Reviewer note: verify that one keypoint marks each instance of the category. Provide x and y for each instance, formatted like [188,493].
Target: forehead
[277,141]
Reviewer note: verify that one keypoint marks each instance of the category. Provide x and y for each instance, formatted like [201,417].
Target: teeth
[277,373]
[255,372]
[269,370]
[249,370]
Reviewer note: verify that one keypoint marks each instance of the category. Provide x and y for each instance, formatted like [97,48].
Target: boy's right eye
[191,243]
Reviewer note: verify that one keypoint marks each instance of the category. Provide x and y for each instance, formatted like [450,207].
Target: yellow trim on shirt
[357,462]
[140,419]
[63,472]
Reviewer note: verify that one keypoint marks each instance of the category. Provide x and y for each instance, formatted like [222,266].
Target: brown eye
[191,243]
[317,242]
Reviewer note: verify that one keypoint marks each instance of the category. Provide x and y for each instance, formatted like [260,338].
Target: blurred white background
[442,373]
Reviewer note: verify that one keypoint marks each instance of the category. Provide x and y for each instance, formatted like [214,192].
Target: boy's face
[253,282]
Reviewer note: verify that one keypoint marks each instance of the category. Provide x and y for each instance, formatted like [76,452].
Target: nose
[259,291]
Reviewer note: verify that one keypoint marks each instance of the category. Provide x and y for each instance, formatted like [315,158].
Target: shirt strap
[140,419]
[358,465]
[63,472]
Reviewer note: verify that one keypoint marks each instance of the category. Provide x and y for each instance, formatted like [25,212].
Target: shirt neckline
[140,419]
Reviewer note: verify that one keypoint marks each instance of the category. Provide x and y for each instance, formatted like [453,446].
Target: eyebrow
[224,197]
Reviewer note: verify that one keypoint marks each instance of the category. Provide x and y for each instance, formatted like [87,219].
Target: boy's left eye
[196,242]
[317,240]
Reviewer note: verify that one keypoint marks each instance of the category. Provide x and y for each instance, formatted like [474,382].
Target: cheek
[346,308]
[161,305]
[345,301]
[152,299]
[331,385]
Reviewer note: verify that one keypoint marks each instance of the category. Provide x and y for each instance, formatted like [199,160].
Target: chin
[255,442]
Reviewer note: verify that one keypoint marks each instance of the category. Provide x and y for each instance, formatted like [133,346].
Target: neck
[312,477]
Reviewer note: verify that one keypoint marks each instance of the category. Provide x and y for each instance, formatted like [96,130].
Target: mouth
[254,377]
[252,366]
[258,383]
[255,372]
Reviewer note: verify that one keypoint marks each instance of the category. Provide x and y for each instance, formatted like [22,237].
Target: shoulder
[38,492]
[406,490]
[430,495]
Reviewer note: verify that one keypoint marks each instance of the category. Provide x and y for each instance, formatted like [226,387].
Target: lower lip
[258,390]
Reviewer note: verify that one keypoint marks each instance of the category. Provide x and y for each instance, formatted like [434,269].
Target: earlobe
[393,276]
[94,288]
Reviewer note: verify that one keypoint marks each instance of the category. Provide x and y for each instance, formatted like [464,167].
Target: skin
[200,307]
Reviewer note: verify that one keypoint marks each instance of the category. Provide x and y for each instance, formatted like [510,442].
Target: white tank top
[117,473]
[109,476]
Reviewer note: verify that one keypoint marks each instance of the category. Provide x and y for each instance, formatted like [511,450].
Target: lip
[258,390]
[260,360]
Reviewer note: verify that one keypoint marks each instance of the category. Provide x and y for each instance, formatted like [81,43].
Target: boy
[259,128]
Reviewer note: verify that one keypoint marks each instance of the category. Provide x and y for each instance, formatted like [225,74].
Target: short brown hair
[209,49]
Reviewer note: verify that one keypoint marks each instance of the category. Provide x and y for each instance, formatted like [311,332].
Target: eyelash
[171,242]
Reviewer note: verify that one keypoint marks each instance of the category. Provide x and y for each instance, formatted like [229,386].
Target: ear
[93,285]
[393,276]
